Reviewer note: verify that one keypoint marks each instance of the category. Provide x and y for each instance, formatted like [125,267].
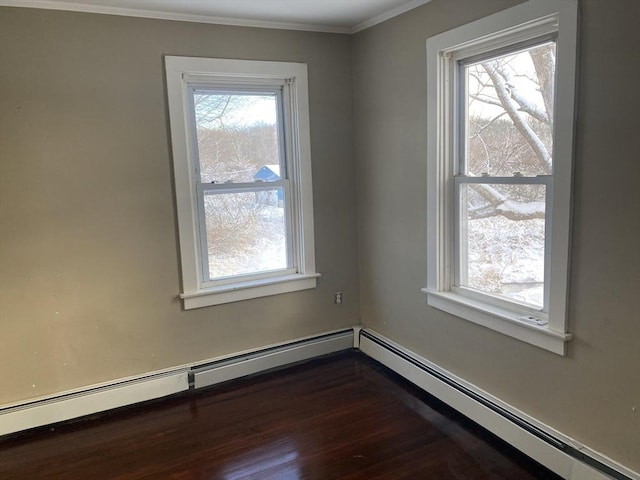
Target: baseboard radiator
[100,398]
[558,453]
[239,366]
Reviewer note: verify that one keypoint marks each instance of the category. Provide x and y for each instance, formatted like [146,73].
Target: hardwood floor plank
[341,417]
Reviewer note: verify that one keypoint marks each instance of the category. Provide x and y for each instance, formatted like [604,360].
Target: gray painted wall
[89,255]
[590,394]
[88,243]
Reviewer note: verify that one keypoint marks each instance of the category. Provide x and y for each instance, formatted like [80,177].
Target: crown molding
[176,16]
[211,19]
[383,17]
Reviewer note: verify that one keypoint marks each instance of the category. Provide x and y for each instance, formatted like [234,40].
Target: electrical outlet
[337,298]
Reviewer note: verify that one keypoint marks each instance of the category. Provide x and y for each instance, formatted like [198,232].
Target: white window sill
[499,320]
[234,292]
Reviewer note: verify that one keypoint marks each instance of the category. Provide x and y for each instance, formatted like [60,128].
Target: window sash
[538,35]
[460,94]
[279,88]
[283,120]
[202,189]
[459,254]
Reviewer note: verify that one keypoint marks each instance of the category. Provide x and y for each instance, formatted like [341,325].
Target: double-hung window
[240,137]
[500,112]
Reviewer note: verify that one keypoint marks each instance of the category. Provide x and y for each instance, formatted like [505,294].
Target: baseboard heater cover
[91,401]
[121,393]
[562,456]
[567,458]
[242,365]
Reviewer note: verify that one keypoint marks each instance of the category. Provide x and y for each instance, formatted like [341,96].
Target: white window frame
[182,75]
[534,19]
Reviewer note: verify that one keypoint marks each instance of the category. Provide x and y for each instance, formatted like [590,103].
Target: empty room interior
[374,219]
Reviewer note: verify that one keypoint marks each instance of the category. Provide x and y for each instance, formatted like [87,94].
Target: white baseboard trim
[559,453]
[107,396]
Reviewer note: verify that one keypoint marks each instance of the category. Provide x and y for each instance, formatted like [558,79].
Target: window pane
[502,230]
[509,118]
[237,136]
[246,232]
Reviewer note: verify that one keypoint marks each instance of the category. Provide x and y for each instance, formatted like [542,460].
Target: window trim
[524,22]
[184,73]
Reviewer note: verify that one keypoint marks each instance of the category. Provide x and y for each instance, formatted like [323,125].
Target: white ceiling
[343,16]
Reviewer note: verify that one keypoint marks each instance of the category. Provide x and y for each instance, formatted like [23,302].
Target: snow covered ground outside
[506,257]
[267,252]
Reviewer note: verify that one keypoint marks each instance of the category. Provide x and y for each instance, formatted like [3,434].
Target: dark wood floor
[341,417]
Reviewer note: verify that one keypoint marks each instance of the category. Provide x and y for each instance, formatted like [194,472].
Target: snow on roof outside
[274,168]
[263,173]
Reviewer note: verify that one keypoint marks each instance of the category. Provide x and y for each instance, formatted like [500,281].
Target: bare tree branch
[482,128]
[544,61]
[485,99]
[511,107]
[499,205]
[524,104]
[210,108]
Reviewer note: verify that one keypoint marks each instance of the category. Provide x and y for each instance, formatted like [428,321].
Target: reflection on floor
[340,417]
